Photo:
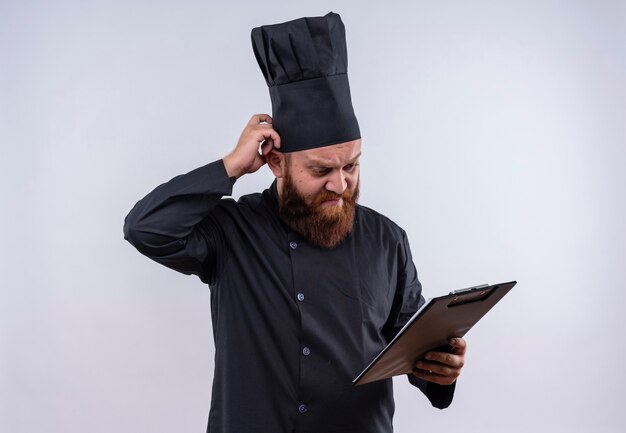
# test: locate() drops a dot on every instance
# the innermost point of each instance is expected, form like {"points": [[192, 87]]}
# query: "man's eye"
{"points": [[350, 167], [320, 171]]}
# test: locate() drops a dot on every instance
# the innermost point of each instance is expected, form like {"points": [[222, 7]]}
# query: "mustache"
{"points": [[330, 195]]}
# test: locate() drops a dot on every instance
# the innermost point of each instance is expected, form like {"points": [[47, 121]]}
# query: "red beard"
{"points": [[322, 226]]}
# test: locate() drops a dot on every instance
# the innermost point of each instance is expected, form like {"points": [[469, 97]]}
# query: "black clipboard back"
{"points": [[431, 327]]}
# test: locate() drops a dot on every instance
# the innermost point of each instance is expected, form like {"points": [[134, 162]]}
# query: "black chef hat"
{"points": [[305, 65]]}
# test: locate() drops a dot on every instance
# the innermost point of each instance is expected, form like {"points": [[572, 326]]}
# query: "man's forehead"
{"points": [[334, 154]]}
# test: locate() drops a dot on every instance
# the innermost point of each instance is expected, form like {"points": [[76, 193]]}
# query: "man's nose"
{"points": [[337, 183]]}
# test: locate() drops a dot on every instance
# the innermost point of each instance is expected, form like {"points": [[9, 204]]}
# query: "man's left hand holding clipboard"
{"points": [[442, 368]]}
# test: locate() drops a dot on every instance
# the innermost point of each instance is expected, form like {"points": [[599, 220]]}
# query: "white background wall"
{"points": [[493, 133]]}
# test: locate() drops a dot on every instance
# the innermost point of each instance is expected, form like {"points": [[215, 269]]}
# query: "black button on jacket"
{"points": [[293, 323]]}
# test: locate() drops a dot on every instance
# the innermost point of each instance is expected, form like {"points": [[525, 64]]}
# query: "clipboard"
{"points": [[431, 328]]}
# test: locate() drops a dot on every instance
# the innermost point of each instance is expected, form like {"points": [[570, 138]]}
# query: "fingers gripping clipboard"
{"points": [[431, 327]]}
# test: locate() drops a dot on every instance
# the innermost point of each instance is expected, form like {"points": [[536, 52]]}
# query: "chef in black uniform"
{"points": [[307, 286]]}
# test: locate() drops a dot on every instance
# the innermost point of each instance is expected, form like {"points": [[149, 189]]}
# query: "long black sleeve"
{"points": [[408, 300], [174, 226]]}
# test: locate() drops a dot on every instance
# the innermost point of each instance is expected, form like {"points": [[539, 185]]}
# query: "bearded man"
{"points": [[307, 286]]}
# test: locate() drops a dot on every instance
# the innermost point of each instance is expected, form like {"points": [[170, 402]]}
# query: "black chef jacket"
{"points": [[293, 323]]}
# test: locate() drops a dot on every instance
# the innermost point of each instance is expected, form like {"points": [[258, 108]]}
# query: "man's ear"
{"points": [[276, 162]]}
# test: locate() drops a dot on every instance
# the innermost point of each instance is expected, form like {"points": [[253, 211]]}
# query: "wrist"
{"points": [[232, 168]]}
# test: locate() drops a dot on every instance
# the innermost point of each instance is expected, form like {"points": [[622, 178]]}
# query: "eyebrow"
{"points": [[319, 163]]}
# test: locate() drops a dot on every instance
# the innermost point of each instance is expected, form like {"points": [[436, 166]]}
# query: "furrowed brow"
{"points": [[355, 158], [320, 163]]}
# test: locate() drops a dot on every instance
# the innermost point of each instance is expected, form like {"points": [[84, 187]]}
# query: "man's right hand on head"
{"points": [[256, 141]]}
